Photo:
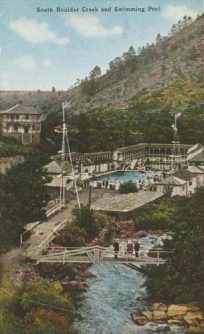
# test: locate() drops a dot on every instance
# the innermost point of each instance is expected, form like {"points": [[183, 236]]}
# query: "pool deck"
{"points": [[111, 201]]}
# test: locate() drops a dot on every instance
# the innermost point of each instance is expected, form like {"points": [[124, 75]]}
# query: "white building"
{"points": [[198, 171], [181, 183], [21, 122]]}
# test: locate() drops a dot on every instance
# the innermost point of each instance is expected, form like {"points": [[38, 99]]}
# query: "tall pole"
{"points": [[89, 197], [73, 174], [65, 140], [176, 158], [62, 188]]}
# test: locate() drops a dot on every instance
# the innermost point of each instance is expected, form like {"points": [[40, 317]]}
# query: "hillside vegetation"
{"points": [[178, 55], [148, 118]]}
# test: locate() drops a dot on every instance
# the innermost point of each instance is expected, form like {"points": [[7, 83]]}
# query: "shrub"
{"points": [[128, 187], [84, 219], [71, 236], [38, 295], [44, 321]]}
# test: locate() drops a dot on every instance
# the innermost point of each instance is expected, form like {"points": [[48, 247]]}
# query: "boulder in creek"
{"points": [[194, 318], [195, 329], [148, 315], [174, 310], [159, 315], [159, 307], [136, 312], [74, 284], [175, 322], [141, 234], [89, 274], [140, 320], [163, 329]]}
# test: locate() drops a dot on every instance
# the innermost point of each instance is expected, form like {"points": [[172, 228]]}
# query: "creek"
{"points": [[111, 297]]}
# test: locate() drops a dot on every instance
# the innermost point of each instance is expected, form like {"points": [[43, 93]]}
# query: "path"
{"points": [[45, 232]]}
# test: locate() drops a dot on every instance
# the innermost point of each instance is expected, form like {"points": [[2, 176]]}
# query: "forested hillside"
{"points": [[177, 55], [148, 118]]}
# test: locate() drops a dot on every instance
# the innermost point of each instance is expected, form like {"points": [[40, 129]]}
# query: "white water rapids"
{"points": [[111, 297]]}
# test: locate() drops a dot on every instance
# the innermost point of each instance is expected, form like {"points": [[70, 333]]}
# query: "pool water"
{"points": [[124, 176]]}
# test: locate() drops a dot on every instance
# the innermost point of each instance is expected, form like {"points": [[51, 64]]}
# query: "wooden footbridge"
{"points": [[95, 254]]}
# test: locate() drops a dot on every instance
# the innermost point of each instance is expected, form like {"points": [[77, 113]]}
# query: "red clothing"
{"points": [[130, 248]]}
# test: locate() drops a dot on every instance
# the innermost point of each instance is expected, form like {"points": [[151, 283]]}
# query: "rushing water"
{"points": [[112, 295]]}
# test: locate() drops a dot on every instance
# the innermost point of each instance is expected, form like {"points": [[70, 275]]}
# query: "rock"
{"points": [[136, 312], [175, 322], [195, 329], [159, 315], [193, 308], [160, 321], [74, 284], [89, 274], [159, 307], [140, 320], [193, 318], [163, 329], [174, 310], [141, 234], [148, 315]]}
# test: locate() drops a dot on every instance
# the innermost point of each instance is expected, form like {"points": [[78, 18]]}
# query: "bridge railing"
{"points": [[95, 254]]}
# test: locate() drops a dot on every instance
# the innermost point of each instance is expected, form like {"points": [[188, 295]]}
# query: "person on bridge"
{"points": [[136, 248], [129, 247], [116, 247]]}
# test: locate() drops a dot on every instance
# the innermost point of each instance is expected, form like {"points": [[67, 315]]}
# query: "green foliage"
{"points": [[43, 321], [10, 324], [71, 236], [85, 227], [180, 280], [128, 187], [13, 150], [23, 197], [40, 295], [148, 118], [85, 220], [156, 215]]}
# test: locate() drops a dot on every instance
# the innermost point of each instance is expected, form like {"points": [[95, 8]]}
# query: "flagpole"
{"points": [[65, 140], [62, 190]]}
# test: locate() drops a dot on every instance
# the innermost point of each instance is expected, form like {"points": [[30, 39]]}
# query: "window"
{"points": [[26, 117], [190, 183]]}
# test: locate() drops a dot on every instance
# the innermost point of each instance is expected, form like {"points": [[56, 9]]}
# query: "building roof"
{"points": [[194, 148], [54, 167], [196, 169], [21, 110], [173, 180], [197, 153], [184, 174], [57, 182]]}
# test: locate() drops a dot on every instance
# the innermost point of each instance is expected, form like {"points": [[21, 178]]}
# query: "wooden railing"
{"points": [[95, 254], [29, 230], [48, 214]]}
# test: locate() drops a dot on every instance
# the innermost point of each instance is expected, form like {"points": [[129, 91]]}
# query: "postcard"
{"points": [[101, 166]]}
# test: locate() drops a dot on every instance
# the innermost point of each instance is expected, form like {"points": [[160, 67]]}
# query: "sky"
{"points": [[41, 47]]}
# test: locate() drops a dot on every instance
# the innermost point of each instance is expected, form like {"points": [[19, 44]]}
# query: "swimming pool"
{"points": [[124, 176]]}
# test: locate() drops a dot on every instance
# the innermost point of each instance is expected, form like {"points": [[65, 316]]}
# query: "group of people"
{"points": [[130, 248]]}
